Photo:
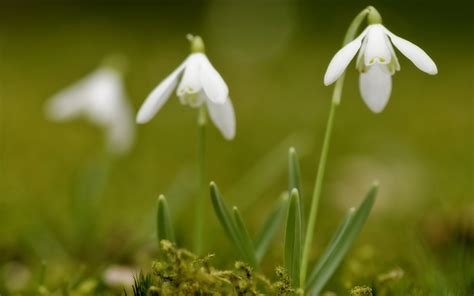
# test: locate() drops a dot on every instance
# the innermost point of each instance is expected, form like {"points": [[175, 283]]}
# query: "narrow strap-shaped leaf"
{"points": [[332, 244], [349, 231], [293, 241], [163, 221], [244, 238], [225, 218], [294, 180], [271, 226], [294, 174]]}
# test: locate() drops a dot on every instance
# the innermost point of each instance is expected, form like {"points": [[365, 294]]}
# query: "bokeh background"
{"points": [[273, 55]]}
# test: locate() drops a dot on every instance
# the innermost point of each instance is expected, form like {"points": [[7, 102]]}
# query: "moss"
{"points": [[184, 273], [361, 291]]}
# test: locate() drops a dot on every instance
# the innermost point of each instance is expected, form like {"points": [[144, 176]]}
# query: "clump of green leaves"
{"points": [[184, 273], [251, 250]]}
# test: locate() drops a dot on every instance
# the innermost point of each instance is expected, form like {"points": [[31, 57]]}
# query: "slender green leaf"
{"points": [[225, 218], [294, 174], [244, 239], [293, 242], [270, 227], [163, 221], [341, 243], [294, 180], [332, 244]]}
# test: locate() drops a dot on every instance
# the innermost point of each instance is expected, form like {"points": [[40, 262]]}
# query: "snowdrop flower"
{"points": [[100, 98], [199, 83], [377, 61], [119, 276]]}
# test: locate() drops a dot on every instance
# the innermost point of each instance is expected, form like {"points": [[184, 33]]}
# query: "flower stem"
{"points": [[336, 99], [201, 180], [317, 194]]}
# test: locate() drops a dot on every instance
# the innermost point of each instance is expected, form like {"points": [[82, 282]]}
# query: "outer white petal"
{"points": [[105, 98], [101, 99], [72, 102], [64, 106], [108, 106], [159, 95], [360, 57], [121, 132], [342, 59], [223, 117], [375, 87], [212, 83], [377, 50], [191, 82], [394, 65], [415, 54]]}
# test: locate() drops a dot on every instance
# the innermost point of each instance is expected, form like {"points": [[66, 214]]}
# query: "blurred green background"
{"points": [[273, 55]]}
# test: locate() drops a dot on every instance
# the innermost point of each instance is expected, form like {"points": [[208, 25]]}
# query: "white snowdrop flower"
{"points": [[377, 61], [197, 82], [100, 98], [119, 276]]}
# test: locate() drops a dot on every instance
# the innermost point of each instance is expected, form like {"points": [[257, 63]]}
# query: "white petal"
{"points": [[342, 58], [212, 83], [414, 54], [100, 98], [65, 106], [223, 117], [360, 65], [191, 82], [394, 65], [377, 50], [73, 100], [121, 132], [106, 97], [375, 87], [159, 95]]}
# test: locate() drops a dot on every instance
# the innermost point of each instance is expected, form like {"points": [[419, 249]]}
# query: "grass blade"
{"points": [[332, 245], [225, 218], [270, 227], [293, 241], [244, 239], [163, 221], [294, 180], [294, 174], [341, 243]]}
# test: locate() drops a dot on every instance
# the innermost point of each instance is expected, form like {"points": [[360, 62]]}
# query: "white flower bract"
{"points": [[99, 97], [377, 62], [200, 84]]}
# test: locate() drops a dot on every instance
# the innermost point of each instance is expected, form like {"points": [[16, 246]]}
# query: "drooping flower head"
{"points": [[100, 98], [377, 61], [199, 83]]}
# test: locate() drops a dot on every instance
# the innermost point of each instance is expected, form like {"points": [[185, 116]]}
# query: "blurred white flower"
{"points": [[100, 98], [119, 276], [377, 62], [200, 84]]}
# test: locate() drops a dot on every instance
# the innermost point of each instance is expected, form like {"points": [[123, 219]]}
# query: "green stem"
{"points": [[316, 194], [336, 99], [201, 181]]}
